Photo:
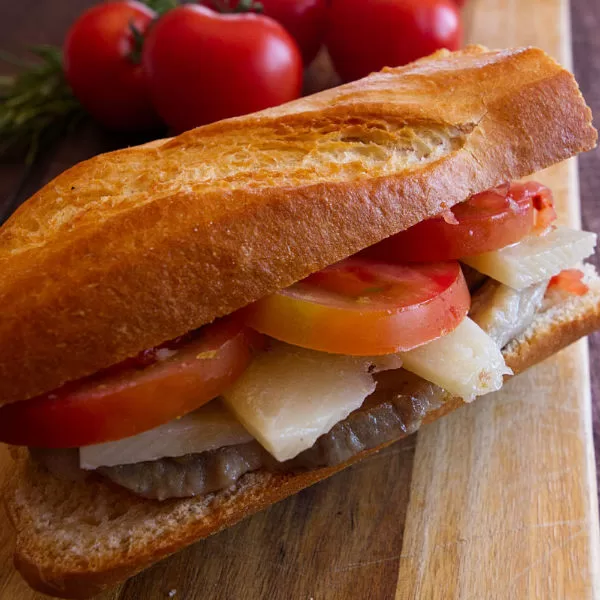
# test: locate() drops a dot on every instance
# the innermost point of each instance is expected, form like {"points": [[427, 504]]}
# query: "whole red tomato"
{"points": [[363, 37], [306, 20], [204, 66], [101, 68]]}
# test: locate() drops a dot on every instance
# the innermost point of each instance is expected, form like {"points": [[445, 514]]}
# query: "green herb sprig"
{"points": [[37, 105]]}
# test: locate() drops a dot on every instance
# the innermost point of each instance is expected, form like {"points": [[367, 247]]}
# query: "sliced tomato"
{"points": [[543, 203], [155, 387], [487, 221], [569, 281], [366, 307]]}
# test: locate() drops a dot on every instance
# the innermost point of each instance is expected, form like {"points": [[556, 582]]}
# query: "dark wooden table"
{"points": [[30, 22]]}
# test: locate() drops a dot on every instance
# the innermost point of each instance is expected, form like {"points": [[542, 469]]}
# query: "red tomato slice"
{"points": [[366, 307], [569, 281], [487, 221], [543, 203], [155, 387]]}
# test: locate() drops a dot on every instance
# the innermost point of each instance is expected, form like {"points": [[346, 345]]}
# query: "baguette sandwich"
{"points": [[199, 327]]}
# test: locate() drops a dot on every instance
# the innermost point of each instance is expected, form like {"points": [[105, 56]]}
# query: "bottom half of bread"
{"points": [[76, 538]]}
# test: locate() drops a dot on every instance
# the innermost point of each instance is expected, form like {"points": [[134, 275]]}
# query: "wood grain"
{"points": [[509, 514], [503, 494], [496, 501]]}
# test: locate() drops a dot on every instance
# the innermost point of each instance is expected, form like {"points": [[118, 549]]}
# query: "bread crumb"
{"points": [[172, 593]]}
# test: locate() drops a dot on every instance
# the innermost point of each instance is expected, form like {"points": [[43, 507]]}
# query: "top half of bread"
{"points": [[132, 248]]}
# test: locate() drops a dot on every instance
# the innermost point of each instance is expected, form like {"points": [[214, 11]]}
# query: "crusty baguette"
{"points": [[132, 248], [74, 539]]}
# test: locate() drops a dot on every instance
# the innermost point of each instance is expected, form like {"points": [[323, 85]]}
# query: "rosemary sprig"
{"points": [[36, 105]]}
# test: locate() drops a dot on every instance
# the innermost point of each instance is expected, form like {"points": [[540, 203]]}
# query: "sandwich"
{"points": [[196, 328]]}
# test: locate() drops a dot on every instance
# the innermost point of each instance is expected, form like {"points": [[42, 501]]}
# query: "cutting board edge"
{"points": [[594, 516]]}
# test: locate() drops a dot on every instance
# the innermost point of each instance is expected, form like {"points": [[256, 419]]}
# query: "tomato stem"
{"points": [[135, 56], [248, 6], [241, 6], [161, 6]]}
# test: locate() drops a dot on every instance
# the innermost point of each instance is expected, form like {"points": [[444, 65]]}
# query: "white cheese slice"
{"points": [[467, 362], [207, 428], [535, 258], [290, 396]]}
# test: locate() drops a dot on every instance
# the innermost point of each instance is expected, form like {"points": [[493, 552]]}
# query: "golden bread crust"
{"points": [[135, 247], [75, 539]]}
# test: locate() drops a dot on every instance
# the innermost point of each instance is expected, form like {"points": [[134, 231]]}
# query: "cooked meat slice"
{"points": [[397, 408], [504, 313], [188, 475]]}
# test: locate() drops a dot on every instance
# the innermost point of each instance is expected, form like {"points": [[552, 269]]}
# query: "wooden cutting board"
{"points": [[496, 501]]}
